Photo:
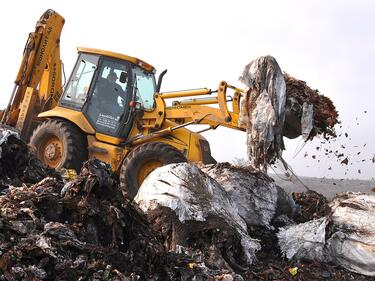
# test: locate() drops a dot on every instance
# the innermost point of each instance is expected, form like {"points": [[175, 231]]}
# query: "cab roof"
{"points": [[139, 62]]}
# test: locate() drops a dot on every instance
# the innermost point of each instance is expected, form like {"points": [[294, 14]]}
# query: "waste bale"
{"points": [[263, 111], [258, 199], [345, 236], [17, 165], [276, 105], [194, 211]]}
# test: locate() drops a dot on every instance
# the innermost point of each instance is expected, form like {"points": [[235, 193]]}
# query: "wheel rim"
{"points": [[146, 169], [51, 151]]}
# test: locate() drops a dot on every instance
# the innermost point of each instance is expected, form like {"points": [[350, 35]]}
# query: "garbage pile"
{"points": [[17, 164], [216, 222], [189, 203], [83, 229], [311, 205]]}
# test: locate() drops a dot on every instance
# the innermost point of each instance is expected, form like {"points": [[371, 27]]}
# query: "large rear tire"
{"points": [[60, 144], [142, 160]]}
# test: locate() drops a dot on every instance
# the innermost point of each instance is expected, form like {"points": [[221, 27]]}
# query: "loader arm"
{"points": [[38, 85], [191, 111]]}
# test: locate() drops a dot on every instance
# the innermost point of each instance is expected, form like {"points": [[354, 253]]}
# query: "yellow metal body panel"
{"points": [[73, 116], [108, 139], [108, 153], [134, 60]]}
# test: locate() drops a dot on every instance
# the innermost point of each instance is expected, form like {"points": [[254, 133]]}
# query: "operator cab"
{"points": [[104, 85]]}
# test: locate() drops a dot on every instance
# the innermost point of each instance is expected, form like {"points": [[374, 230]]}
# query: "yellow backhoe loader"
{"points": [[111, 108]]}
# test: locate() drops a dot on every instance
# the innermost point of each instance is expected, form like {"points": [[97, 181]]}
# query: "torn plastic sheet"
{"points": [[305, 240], [307, 121], [263, 111], [5, 133], [346, 236], [194, 197]]}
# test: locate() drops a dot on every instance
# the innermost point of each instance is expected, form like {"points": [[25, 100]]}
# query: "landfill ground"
{"points": [[84, 230], [326, 186]]}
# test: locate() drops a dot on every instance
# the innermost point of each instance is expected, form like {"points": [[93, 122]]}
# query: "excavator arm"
{"points": [[38, 84]]}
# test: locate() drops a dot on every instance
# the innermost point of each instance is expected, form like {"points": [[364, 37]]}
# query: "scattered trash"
{"points": [[311, 204], [293, 270]]}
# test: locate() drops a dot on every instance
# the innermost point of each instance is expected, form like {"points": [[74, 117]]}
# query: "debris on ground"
{"points": [[344, 237], [311, 204], [84, 229]]}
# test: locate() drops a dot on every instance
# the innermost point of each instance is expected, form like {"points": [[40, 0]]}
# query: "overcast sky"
{"points": [[329, 44]]}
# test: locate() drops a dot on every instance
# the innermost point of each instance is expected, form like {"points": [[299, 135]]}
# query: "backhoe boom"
{"points": [[38, 84]]}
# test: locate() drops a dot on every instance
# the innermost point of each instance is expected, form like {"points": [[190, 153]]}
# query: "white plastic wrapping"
{"points": [[307, 120]]}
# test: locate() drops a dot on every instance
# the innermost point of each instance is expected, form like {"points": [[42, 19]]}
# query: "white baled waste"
{"points": [[346, 236], [194, 196]]}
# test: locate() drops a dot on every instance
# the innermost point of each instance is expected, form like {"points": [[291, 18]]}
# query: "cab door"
{"points": [[107, 108]]}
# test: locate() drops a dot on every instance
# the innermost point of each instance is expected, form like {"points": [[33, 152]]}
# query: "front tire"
{"points": [[60, 144], [142, 160]]}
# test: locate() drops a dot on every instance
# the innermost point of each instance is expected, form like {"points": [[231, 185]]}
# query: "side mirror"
{"points": [[123, 77]]}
